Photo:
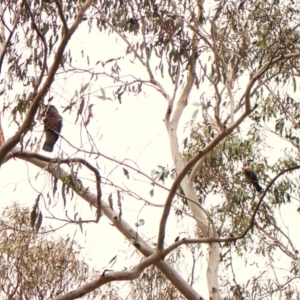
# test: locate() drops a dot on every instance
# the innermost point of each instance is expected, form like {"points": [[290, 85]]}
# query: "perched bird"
{"points": [[252, 177], [53, 124]]}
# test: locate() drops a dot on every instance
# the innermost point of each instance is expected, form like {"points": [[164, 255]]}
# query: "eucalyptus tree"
{"points": [[235, 61], [39, 266]]}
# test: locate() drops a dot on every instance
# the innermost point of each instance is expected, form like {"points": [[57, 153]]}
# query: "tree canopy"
{"points": [[226, 75], [37, 267]]}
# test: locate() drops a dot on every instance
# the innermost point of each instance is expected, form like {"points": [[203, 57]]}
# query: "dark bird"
{"points": [[132, 21], [53, 124], [252, 177]]}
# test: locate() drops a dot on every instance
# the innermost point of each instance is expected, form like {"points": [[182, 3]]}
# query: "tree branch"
{"points": [[14, 140], [61, 14], [108, 276], [130, 233], [11, 33], [26, 155]]}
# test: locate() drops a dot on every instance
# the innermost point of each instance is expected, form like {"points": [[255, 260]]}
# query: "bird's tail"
{"points": [[257, 186], [48, 147]]}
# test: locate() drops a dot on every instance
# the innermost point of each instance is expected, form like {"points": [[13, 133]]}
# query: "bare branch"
{"points": [[107, 277], [61, 14], [129, 232]]}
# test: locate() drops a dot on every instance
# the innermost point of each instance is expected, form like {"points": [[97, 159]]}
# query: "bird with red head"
{"points": [[252, 177]]}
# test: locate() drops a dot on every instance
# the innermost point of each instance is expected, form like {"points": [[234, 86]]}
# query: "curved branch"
{"points": [[122, 163], [11, 33], [108, 276], [248, 93], [232, 238], [136, 271], [26, 155], [130, 233], [186, 169]]}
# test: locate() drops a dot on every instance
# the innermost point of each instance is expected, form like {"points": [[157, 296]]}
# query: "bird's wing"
{"points": [[59, 124]]}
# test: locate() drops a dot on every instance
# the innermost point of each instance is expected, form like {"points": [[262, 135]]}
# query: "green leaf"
{"points": [[126, 173], [152, 192], [33, 215], [83, 88], [80, 224], [39, 222]]}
